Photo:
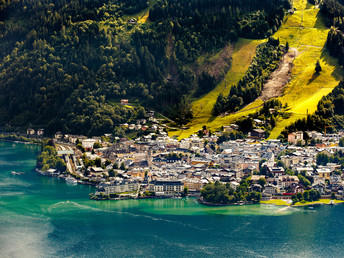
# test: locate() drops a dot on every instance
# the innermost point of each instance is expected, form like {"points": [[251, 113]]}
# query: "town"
{"points": [[154, 165]]}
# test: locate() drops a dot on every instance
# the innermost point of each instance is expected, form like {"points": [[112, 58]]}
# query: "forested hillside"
{"points": [[62, 62]]}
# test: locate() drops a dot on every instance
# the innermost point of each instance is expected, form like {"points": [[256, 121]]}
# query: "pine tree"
{"points": [[318, 68]]}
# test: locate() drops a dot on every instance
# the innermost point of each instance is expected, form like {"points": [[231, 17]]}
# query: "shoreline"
{"points": [[38, 142]]}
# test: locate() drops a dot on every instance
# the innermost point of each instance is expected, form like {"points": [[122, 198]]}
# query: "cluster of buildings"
{"points": [[32, 132], [159, 165]]}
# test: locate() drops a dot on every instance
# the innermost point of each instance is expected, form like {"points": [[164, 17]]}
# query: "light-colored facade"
{"points": [[167, 187], [120, 187]]}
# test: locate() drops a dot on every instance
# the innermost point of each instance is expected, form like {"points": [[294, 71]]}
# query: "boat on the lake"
{"points": [[17, 173], [71, 180]]}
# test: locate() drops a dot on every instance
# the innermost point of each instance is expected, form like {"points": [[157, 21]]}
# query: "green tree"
{"points": [[262, 182], [299, 196], [107, 162], [97, 145], [122, 166], [333, 196], [341, 142], [306, 195], [186, 191], [322, 159], [318, 68], [304, 181], [112, 173], [98, 162]]}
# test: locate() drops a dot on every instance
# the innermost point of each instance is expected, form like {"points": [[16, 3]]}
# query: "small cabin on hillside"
{"points": [[124, 101], [30, 131], [132, 21], [40, 132], [258, 134]]}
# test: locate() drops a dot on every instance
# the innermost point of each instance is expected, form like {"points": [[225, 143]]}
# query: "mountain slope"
{"points": [[65, 64], [305, 31]]}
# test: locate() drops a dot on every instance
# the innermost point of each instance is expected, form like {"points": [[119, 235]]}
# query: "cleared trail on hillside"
{"points": [[279, 78], [244, 52]]}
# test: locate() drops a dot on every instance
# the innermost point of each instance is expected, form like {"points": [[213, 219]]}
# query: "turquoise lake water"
{"points": [[45, 217]]}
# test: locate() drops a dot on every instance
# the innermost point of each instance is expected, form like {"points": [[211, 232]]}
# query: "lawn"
{"points": [[276, 202]]}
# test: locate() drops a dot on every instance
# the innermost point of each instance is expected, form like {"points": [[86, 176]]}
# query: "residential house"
{"points": [[58, 135], [286, 181], [40, 132], [319, 186], [88, 144], [256, 188], [258, 134], [270, 189], [296, 188], [295, 137], [255, 178], [193, 185], [30, 131], [276, 171], [124, 101], [324, 173]]}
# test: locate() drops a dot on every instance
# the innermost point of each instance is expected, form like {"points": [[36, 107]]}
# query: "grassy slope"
{"points": [[244, 51], [304, 30]]}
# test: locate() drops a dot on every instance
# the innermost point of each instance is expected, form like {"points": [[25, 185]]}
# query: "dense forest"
{"points": [[330, 111], [63, 63], [268, 56]]}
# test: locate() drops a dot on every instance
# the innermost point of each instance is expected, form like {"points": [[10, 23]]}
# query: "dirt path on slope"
{"points": [[274, 86]]}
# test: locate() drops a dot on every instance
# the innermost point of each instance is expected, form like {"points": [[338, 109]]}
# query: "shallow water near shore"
{"points": [[44, 217]]}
